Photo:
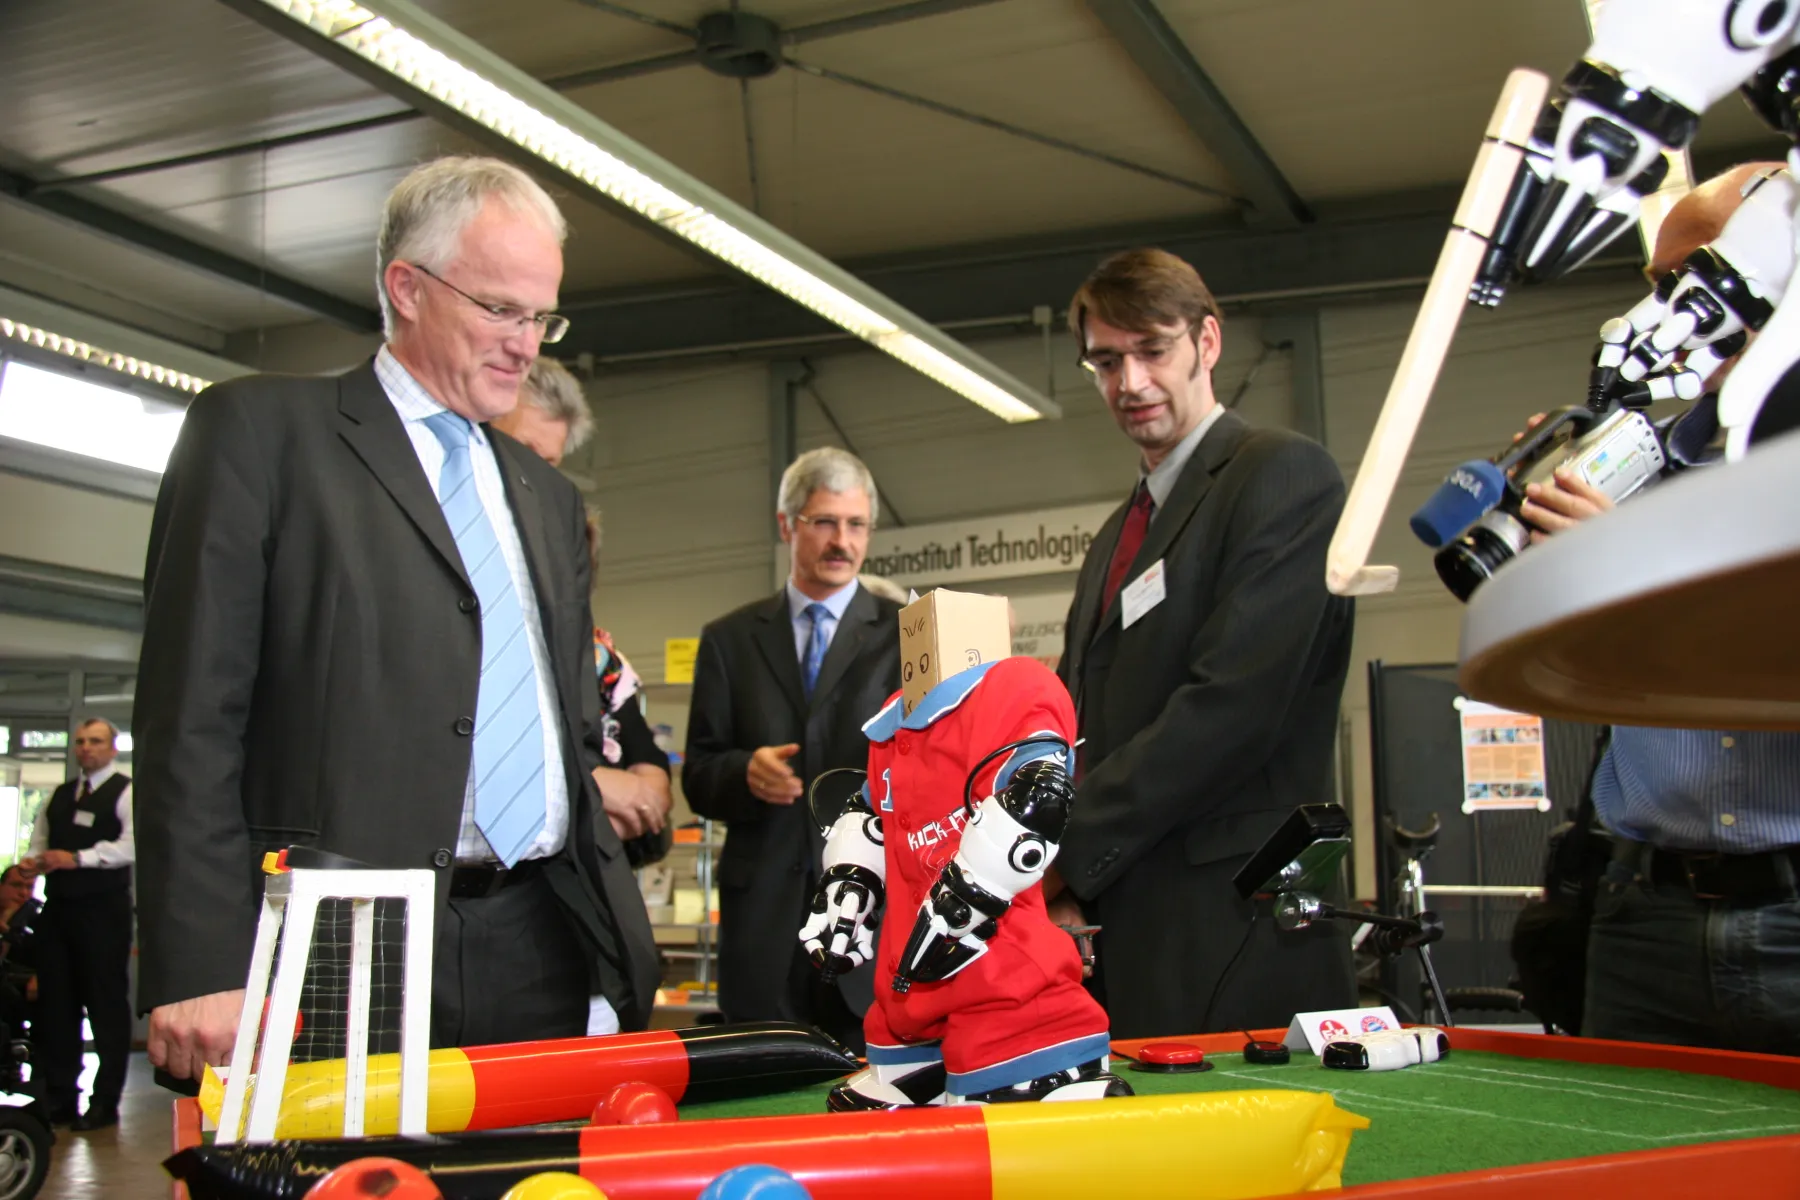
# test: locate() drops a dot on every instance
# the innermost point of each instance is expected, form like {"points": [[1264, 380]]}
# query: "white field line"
{"points": [[1377, 1101], [1620, 1087], [1571, 1089]]}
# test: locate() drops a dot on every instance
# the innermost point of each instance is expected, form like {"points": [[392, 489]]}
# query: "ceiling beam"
{"points": [[1164, 59], [1373, 246], [58, 593], [129, 231]]}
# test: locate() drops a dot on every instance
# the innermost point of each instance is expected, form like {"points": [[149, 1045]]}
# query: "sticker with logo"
{"points": [[1373, 1024], [1329, 1029]]}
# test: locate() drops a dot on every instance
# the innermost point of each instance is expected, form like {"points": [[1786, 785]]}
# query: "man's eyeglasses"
{"points": [[1151, 352], [550, 326], [856, 527]]}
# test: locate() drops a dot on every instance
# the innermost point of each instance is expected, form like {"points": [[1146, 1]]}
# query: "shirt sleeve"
{"points": [[122, 850]]}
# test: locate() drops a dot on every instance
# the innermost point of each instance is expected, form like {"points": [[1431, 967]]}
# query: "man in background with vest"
{"points": [[83, 848]]}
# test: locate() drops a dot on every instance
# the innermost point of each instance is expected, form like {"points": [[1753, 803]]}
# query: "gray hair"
{"points": [[553, 390], [112, 731], [426, 214], [829, 468]]}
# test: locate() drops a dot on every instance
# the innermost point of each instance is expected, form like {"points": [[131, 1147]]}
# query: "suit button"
{"points": [[441, 858], [464, 726], [467, 604]]}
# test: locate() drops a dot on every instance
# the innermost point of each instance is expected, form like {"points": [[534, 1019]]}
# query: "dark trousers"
{"points": [[1666, 967], [508, 968], [83, 952]]}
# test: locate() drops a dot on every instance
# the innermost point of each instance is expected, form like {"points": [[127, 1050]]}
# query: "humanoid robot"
{"points": [[1654, 67], [978, 996]]}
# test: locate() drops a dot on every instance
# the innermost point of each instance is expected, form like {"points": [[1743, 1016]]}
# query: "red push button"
{"points": [[1171, 1054], [1170, 1058]]}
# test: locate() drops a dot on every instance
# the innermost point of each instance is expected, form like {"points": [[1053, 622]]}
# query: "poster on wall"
{"points": [[1502, 757], [678, 659]]}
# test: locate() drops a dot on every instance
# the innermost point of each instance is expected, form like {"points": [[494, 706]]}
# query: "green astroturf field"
{"points": [[1473, 1110]]}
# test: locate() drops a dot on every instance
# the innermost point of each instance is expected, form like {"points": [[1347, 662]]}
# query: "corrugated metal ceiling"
{"points": [[1349, 99]]}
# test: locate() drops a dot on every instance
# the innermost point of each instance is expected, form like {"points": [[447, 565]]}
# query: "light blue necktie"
{"points": [[510, 800], [815, 646]]}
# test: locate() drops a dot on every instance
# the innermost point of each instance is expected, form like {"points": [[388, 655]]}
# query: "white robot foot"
{"points": [[866, 1091], [1090, 1081]]}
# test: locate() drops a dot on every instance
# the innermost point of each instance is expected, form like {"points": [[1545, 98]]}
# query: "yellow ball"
{"points": [[553, 1185]]}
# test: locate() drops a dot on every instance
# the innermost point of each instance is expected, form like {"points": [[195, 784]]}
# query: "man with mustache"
{"points": [[782, 687], [1206, 660]]}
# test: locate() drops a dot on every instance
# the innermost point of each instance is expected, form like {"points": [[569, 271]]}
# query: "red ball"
{"points": [[375, 1179], [634, 1104]]}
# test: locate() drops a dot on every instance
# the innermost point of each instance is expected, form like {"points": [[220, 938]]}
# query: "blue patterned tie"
{"points": [[510, 798], [815, 646]]}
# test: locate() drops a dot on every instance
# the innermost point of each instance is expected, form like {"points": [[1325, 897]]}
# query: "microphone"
{"points": [[1467, 494]]}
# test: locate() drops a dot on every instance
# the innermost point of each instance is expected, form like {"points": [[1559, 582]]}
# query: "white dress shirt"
{"points": [[120, 852], [1161, 481], [415, 404], [835, 604]]}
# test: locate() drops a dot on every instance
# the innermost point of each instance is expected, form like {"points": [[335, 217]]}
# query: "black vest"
{"points": [[65, 834]]}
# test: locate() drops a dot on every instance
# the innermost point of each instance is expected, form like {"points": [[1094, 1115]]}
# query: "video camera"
{"points": [[1473, 520]]}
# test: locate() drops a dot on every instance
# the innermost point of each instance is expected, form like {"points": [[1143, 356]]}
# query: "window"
{"points": [[78, 416]]}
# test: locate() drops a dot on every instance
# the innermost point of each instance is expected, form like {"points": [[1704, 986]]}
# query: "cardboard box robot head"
{"points": [[944, 632]]}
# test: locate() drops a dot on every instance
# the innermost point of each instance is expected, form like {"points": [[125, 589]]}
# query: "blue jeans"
{"points": [[1666, 967]]}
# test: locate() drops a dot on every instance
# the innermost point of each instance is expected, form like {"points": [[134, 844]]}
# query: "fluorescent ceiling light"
{"points": [[457, 73], [77, 416], [82, 351]]}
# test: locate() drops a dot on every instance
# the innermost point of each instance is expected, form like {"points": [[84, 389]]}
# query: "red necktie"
{"points": [[1131, 540], [81, 793]]}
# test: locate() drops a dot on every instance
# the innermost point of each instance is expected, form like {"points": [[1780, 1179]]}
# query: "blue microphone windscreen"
{"points": [[1465, 497]]}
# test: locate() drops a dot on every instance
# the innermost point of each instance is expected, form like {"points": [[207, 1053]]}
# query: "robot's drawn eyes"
{"points": [[872, 829], [1027, 855], [1752, 24]]}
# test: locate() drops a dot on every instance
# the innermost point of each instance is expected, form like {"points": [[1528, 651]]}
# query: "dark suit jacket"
{"points": [[747, 693], [311, 649], [1208, 720]]}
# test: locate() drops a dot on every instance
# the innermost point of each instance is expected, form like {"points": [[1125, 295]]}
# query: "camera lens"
{"points": [[1472, 559]]}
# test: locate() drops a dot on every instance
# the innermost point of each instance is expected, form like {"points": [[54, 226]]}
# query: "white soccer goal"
{"points": [[336, 995]]}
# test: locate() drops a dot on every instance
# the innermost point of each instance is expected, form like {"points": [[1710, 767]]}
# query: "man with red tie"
{"points": [[1206, 660]]}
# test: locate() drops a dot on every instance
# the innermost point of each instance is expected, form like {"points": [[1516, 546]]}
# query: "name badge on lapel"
{"points": [[1142, 594], [84, 818]]}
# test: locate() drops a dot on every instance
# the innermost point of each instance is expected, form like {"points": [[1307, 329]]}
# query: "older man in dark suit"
{"points": [[367, 631], [1206, 660], [783, 683]]}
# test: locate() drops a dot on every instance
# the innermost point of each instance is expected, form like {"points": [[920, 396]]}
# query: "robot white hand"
{"points": [[839, 933], [1654, 67], [1722, 290]]}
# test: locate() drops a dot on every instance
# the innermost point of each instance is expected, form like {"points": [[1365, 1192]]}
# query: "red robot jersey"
{"points": [[1019, 1011]]}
